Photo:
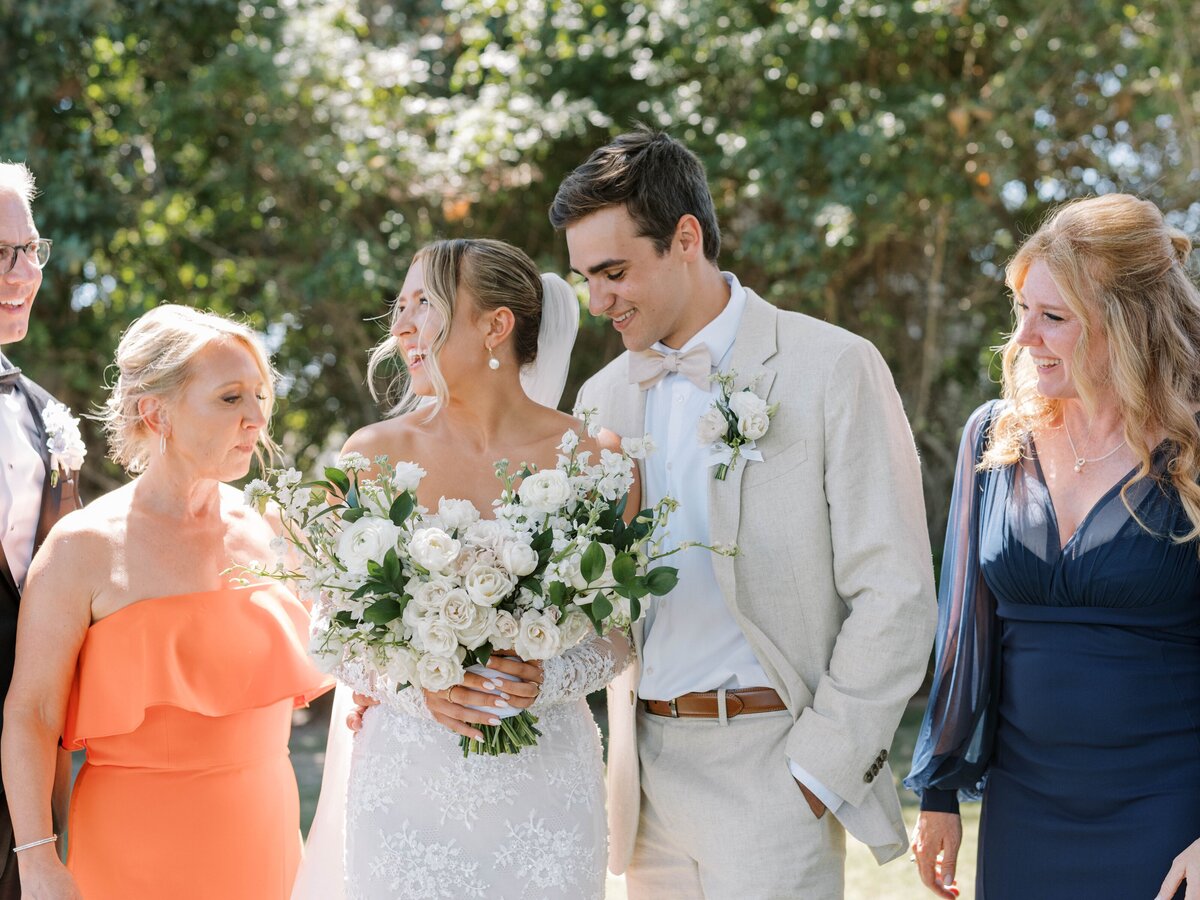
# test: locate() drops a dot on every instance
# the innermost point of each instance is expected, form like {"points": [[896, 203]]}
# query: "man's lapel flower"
{"points": [[736, 419], [64, 441]]}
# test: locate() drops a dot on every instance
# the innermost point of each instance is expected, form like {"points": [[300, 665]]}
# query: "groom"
{"points": [[770, 685], [31, 500]]}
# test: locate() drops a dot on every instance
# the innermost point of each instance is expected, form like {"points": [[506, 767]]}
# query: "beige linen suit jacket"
{"points": [[833, 586]]}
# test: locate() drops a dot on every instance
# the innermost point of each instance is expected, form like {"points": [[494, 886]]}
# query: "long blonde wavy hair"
{"points": [[1121, 271]]}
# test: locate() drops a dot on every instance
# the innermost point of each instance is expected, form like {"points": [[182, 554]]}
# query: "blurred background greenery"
{"points": [[874, 163]]}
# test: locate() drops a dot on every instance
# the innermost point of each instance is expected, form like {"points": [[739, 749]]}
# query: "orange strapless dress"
{"points": [[184, 706]]}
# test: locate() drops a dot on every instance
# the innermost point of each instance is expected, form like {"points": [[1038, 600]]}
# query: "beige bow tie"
{"points": [[648, 367]]}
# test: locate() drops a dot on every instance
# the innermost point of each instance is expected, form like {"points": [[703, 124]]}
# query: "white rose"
{"points": [[747, 403], [457, 609], [753, 426], [480, 629], [484, 533], [407, 476], [519, 558], [437, 673], [433, 549], [436, 637], [488, 585], [504, 630], [575, 626], [417, 616], [545, 492], [711, 427], [572, 574], [538, 637], [367, 539], [429, 595], [457, 514]]}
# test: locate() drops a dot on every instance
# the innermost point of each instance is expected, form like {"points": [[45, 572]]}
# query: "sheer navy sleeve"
{"points": [[955, 740]]}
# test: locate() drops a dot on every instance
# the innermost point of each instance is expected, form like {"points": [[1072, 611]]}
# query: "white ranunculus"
{"points": [[436, 637], [546, 491], [368, 539], [488, 585], [575, 626], [711, 427], [457, 515], [538, 636], [437, 673], [480, 629], [504, 630], [433, 549], [519, 558], [457, 609], [416, 616], [407, 476]]}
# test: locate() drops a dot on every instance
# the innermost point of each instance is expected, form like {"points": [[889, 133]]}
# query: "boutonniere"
{"points": [[65, 443], [736, 419]]}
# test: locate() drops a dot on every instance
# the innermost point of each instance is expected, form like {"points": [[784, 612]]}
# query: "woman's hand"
{"points": [[451, 708], [44, 877], [362, 704], [1185, 866], [935, 846]]}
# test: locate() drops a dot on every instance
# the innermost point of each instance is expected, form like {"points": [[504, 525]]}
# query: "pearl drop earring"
{"points": [[493, 363]]}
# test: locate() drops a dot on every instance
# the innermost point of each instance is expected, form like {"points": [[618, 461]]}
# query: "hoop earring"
{"points": [[493, 363], [162, 444]]}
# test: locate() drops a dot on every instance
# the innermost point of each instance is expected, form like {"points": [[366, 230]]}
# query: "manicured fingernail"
{"points": [[506, 696], [491, 685], [493, 721], [499, 703]]}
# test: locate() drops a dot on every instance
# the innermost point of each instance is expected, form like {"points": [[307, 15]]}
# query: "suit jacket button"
{"points": [[883, 755], [869, 777]]}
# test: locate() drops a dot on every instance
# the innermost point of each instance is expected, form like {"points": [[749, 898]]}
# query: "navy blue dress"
{"points": [[1086, 736]]}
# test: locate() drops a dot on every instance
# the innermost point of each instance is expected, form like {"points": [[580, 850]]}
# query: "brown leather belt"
{"points": [[704, 705]]}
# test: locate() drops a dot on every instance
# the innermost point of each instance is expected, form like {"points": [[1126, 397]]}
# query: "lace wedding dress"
{"points": [[423, 822]]}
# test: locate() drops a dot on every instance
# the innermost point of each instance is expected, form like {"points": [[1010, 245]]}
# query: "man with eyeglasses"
{"points": [[33, 496]]}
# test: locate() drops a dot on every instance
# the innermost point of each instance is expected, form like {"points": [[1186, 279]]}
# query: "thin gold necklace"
{"points": [[1080, 462]]}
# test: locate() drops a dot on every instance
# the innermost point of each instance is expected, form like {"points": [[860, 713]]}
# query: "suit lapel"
{"points": [[754, 345], [50, 494]]}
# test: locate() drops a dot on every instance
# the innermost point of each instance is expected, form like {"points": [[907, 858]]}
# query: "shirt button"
{"points": [[678, 399]]}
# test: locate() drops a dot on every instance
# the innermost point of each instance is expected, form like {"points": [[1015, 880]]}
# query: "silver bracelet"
{"points": [[49, 840]]}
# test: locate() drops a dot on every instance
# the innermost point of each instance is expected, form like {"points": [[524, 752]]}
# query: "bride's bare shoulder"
{"points": [[391, 438]]}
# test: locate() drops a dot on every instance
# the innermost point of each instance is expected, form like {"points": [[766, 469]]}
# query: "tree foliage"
{"points": [[874, 163]]}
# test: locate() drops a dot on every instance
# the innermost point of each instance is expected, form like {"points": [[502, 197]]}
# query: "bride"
{"points": [[420, 820]]}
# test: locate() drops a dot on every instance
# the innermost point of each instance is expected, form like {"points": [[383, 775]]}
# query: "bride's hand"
{"points": [[1185, 866], [452, 708], [361, 704]]}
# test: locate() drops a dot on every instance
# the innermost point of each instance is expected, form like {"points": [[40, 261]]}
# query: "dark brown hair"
{"points": [[656, 178]]}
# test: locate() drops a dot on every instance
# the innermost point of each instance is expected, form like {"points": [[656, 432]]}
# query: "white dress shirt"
{"points": [[691, 642], [22, 476]]}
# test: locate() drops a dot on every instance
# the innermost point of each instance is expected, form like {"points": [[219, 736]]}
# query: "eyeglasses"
{"points": [[38, 251]]}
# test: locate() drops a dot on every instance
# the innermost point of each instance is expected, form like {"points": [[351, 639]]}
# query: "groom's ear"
{"points": [[689, 236]]}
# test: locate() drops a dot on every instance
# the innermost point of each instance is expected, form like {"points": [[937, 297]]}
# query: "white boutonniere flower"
{"points": [[64, 440], [735, 421]]}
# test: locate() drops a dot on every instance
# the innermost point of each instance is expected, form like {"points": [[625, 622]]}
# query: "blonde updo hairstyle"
{"points": [[497, 275], [154, 359], [1121, 270]]}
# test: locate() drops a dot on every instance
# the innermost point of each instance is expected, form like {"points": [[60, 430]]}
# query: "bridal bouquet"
{"points": [[415, 595]]}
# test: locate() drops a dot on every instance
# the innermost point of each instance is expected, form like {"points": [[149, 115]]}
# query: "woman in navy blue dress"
{"points": [[1067, 679]]}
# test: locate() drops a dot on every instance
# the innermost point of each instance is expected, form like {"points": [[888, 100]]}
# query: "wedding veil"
{"points": [[322, 875]]}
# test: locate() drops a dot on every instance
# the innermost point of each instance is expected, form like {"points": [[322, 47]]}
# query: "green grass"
{"points": [[865, 880]]}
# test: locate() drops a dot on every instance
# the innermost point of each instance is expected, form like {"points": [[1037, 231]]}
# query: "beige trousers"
{"points": [[723, 819]]}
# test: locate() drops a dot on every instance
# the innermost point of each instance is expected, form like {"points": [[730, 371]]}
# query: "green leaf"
{"points": [[624, 568], [338, 478], [353, 514], [558, 592], [542, 541], [601, 607], [391, 566], [635, 609], [591, 566], [483, 653], [383, 611], [402, 508], [662, 580]]}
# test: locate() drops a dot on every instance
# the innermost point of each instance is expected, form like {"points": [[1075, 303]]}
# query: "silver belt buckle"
{"points": [[674, 709]]}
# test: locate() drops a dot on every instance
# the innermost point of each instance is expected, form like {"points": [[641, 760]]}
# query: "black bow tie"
{"points": [[8, 379]]}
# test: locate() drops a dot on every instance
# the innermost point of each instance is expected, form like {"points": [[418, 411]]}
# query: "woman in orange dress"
{"points": [[136, 646]]}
